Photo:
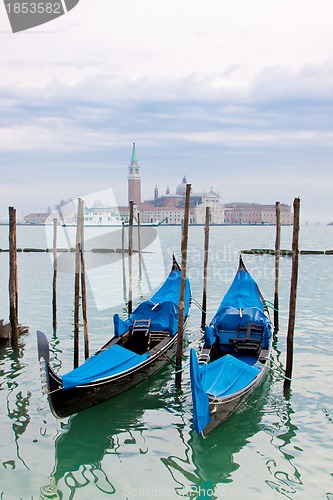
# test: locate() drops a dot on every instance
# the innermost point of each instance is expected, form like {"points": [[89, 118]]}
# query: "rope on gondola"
{"points": [[198, 305], [271, 305], [174, 364], [182, 369]]}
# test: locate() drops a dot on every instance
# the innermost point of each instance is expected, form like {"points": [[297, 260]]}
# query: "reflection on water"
{"points": [[17, 400], [211, 461], [111, 429], [284, 473]]}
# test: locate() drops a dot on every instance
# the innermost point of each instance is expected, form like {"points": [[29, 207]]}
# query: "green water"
{"points": [[142, 444]]}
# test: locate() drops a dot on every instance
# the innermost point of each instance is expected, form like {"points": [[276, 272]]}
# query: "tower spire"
{"points": [[134, 158], [134, 178]]}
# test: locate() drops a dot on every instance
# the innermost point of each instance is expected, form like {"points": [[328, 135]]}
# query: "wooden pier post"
{"points": [[184, 241], [292, 301], [77, 288], [123, 258], [277, 265], [55, 274], [13, 293], [139, 246], [130, 257], [204, 293], [83, 283]]}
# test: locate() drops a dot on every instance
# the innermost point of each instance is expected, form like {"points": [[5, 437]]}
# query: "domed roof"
{"points": [[181, 188]]}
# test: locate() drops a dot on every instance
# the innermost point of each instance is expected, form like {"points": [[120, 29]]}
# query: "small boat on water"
{"points": [[235, 356], [141, 345]]}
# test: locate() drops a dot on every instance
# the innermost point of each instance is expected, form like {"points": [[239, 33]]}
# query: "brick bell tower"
{"points": [[134, 179]]}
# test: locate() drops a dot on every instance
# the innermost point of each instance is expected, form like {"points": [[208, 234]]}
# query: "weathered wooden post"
{"points": [[204, 293], [123, 258], [13, 294], [139, 246], [184, 241], [55, 274], [277, 265], [77, 288], [130, 255], [292, 301], [83, 283]]}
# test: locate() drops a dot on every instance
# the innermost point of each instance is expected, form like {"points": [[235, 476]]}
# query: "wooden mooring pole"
{"points": [[77, 288], [55, 274], [13, 293], [277, 265], [139, 246], [184, 241], [204, 293], [83, 283], [292, 301], [123, 258], [130, 257]]}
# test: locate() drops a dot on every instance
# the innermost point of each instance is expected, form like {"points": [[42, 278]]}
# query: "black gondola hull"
{"points": [[64, 403]]}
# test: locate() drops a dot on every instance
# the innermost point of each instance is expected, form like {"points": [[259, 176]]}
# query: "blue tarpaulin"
{"points": [[241, 305], [223, 377], [164, 317], [161, 309], [114, 360], [201, 415], [227, 375]]}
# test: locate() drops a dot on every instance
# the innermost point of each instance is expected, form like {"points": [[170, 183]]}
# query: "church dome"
{"points": [[181, 188]]}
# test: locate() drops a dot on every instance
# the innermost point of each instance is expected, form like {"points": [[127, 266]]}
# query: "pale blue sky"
{"points": [[235, 95]]}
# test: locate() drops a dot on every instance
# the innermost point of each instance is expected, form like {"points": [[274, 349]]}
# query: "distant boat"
{"points": [[141, 345], [235, 356]]}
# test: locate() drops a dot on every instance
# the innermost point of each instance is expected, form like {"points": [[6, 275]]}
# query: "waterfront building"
{"points": [[36, 218], [255, 213]]}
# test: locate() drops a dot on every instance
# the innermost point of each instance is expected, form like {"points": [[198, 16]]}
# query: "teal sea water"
{"points": [[142, 443]]}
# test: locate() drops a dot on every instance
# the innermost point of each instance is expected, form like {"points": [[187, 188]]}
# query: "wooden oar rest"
{"points": [[249, 339]]}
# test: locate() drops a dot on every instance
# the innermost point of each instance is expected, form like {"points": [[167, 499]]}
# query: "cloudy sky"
{"points": [[237, 95]]}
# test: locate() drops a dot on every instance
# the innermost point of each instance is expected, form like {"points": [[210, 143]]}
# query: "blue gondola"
{"points": [[235, 357], [141, 345]]}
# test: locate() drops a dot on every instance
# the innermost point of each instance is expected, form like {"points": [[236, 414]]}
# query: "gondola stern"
{"points": [[241, 265], [175, 265]]}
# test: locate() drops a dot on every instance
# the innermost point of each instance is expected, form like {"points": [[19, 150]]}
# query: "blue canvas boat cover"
{"points": [[223, 377], [243, 295], [227, 375], [114, 360], [201, 414], [161, 309]]}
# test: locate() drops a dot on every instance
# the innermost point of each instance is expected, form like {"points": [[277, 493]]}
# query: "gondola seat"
{"points": [[140, 336], [249, 339]]}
